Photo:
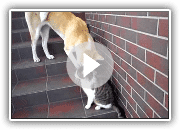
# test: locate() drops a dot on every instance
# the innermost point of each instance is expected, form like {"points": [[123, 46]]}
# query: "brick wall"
{"points": [[138, 42]]}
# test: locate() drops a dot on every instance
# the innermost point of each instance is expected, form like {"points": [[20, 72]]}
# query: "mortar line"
{"points": [[142, 88], [141, 98], [160, 37], [148, 17], [157, 27], [136, 80], [138, 59], [165, 57]]}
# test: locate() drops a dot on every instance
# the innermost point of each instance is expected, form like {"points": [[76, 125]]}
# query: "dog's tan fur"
{"points": [[73, 30]]}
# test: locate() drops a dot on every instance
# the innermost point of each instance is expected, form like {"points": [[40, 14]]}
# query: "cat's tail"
{"points": [[115, 108]]}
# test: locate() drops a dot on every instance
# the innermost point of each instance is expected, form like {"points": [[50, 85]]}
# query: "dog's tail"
{"points": [[38, 29]]}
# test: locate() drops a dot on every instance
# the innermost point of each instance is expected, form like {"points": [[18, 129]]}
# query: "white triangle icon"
{"points": [[89, 65]]}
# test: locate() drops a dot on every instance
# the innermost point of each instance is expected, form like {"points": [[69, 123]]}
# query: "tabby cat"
{"points": [[102, 96]]}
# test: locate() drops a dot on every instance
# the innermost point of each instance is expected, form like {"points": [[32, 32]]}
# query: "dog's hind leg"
{"points": [[33, 21], [45, 36]]}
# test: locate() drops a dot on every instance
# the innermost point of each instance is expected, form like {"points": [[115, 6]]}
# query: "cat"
{"points": [[102, 96]]}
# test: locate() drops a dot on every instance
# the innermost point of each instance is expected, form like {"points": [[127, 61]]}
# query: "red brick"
{"points": [[143, 68], [155, 115], [103, 41], [110, 19], [163, 28], [128, 69], [125, 86], [152, 43], [142, 104], [132, 112], [123, 21], [145, 25], [157, 62], [120, 71], [116, 83], [102, 18], [135, 50], [100, 32], [128, 35], [160, 110], [137, 13], [94, 30], [115, 75], [108, 36], [117, 60], [135, 86], [105, 27], [98, 24], [141, 113], [112, 47], [107, 12], [160, 13], [127, 114], [129, 99], [134, 23], [122, 98], [114, 30], [96, 17], [91, 16], [124, 55], [119, 42], [151, 88], [162, 81], [93, 23], [87, 16], [118, 13]]}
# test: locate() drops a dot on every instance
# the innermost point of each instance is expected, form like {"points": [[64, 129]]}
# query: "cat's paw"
{"points": [[87, 106], [50, 57], [97, 108]]}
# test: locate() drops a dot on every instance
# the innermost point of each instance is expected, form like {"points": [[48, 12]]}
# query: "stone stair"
{"points": [[44, 89]]}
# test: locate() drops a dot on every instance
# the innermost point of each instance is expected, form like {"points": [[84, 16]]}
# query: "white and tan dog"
{"points": [[70, 28]]}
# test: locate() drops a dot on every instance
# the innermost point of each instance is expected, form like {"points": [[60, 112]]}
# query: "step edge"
{"points": [[20, 30], [32, 92], [42, 63], [28, 43], [69, 86]]}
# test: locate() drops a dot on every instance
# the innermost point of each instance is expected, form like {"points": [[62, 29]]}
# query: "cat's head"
{"points": [[88, 81]]}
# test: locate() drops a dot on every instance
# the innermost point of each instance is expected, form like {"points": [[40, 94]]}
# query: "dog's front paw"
{"points": [[36, 59], [87, 106], [50, 57]]}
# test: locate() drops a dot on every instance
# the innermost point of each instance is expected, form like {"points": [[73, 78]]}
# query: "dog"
{"points": [[73, 30]]}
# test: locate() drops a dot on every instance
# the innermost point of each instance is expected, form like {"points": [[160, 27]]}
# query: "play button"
{"points": [[96, 65], [89, 65]]}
